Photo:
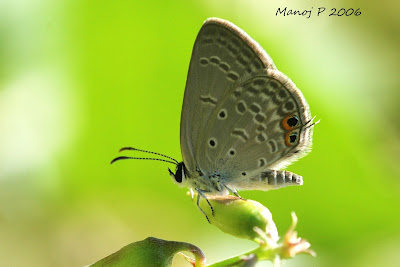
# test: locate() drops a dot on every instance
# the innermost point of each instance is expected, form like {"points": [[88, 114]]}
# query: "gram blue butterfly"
{"points": [[242, 119]]}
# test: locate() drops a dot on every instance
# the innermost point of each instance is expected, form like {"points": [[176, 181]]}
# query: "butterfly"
{"points": [[242, 119]]}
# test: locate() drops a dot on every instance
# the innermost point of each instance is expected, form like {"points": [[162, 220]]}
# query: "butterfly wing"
{"points": [[269, 130], [235, 105], [222, 55]]}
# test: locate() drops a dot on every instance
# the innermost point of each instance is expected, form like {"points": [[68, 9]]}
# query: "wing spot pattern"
{"points": [[224, 66], [241, 107], [261, 127], [230, 75], [208, 100], [259, 118], [261, 138], [289, 106], [233, 50], [259, 82], [209, 33], [212, 142], [246, 53], [286, 108], [255, 108], [237, 92], [215, 60], [257, 64], [282, 94], [278, 99], [261, 162], [252, 91], [248, 70], [223, 114], [241, 133], [273, 146], [233, 76], [203, 61], [267, 91], [221, 41], [273, 84], [241, 60]]}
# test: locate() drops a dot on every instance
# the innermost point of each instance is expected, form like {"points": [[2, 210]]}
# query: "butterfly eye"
{"points": [[291, 138], [290, 122], [179, 176]]}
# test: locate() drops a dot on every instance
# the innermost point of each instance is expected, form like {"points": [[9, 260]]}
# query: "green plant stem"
{"points": [[261, 253]]}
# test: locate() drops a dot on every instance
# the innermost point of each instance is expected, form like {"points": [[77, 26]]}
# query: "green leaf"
{"points": [[151, 252]]}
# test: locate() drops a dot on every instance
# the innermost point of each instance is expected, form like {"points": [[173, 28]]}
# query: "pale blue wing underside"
{"points": [[235, 101]]}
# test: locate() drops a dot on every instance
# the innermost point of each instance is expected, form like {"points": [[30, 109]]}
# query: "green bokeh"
{"points": [[81, 79]]}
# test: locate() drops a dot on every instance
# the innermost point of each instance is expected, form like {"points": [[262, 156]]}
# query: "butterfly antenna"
{"points": [[311, 122], [146, 151], [123, 157]]}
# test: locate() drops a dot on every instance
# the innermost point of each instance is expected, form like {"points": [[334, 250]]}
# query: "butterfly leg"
{"points": [[233, 191], [202, 211], [201, 194]]}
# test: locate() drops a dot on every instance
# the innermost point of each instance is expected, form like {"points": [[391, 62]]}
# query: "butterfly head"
{"points": [[179, 177]]}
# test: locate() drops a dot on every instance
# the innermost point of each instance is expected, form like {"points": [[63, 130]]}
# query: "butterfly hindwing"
{"points": [[257, 139]]}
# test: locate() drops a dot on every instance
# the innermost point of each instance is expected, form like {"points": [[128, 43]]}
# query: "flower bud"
{"points": [[239, 217]]}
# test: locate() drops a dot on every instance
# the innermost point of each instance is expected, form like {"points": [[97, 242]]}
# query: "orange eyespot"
{"points": [[290, 122], [291, 138]]}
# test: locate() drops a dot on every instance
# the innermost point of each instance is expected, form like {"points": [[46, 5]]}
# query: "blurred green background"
{"points": [[81, 79]]}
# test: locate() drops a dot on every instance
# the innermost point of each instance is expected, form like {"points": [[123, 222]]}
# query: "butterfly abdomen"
{"points": [[281, 178], [270, 179]]}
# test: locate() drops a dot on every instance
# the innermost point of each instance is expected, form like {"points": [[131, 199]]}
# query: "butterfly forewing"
{"points": [[221, 56], [234, 106]]}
